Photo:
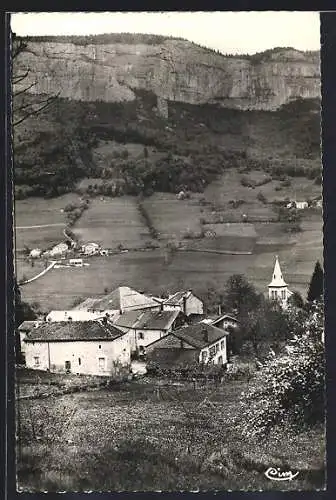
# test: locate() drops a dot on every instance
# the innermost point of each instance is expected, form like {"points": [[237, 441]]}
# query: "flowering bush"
{"points": [[289, 389]]}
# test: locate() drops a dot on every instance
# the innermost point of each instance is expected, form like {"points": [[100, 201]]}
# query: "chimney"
{"points": [[185, 305], [104, 320], [219, 310], [205, 335]]}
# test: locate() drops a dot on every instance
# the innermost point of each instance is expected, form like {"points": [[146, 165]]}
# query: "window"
{"points": [[36, 361], [222, 345], [283, 294], [101, 364], [212, 350], [99, 346], [217, 347], [204, 356], [79, 361], [141, 335]]}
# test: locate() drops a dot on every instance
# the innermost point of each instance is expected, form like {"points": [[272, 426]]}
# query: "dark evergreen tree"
{"points": [[22, 312], [296, 300], [315, 290]]}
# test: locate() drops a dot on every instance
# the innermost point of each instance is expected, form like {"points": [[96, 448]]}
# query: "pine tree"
{"points": [[315, 290]]}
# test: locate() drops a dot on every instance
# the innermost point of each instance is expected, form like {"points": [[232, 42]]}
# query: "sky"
{"points": [[228, 32]]}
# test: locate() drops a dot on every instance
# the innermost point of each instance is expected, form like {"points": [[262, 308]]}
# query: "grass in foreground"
{"points": [[139, 437]]}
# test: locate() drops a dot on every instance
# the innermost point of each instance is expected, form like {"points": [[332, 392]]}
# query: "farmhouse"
{"points": [[90, 248], [278, 288], [200, 343], [90, 348], [299, 205], [144, 327], [60, 249], [35, 253], [121, 300], [223, 321], [76, 262], [184, 301], [23, 330]]}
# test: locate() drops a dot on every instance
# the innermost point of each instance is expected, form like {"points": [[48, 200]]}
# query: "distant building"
{"points": [[185, 302], [88, 348], [278, 288], [58, 250], [144, 327], [299, 205], [76, 262], [90, 248], [200, 343], [35, 253]]}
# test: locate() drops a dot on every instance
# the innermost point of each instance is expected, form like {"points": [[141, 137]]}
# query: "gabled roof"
{"points": [[223, 316], [147, 320], [73, 331], [177, 298], [28, 325], [86, 304], [277, 278], [195, 334], [123, 298]]}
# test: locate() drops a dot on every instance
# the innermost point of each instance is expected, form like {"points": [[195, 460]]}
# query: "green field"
{"points": [[117, 221], [172, 217], [33, 212], [111, 222], [137, 437]]}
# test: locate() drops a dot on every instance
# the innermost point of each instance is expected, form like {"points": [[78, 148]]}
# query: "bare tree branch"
{"points": [[49, 102], [18, 78]]}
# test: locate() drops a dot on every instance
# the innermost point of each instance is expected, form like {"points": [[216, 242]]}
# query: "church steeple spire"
{"points": [[278, 289], [277, 278]]}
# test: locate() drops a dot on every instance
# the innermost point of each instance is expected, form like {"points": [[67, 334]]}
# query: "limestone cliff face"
{"points": [[175, 70]]}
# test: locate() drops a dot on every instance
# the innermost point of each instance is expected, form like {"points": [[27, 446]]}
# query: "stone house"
{"points": [[200, 343], [184, 301], [88, 348], [144, 327]]}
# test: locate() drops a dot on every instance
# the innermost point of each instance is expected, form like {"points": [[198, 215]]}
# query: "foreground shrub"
{"points": [[289, 389]]}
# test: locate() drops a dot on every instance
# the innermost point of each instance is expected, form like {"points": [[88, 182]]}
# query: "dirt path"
{"points": [[40, 274]]}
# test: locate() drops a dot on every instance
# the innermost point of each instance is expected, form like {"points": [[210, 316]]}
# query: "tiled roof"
{"points": [[177, 298], [123, 298], [73, 330], [86, 304], [28, 325], [147, 320], [200, 335]]}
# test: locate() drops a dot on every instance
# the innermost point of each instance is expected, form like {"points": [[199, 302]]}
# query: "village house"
{"points": [[35, 253], [299, 205], [223, 321], [200, 343], [90, 248], [144, 327], [184, 301], [23, 330], [88, 348], [278, 288], [58, 250]]}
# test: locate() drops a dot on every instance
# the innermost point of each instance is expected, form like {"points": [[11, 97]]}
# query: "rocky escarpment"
{"points": [[174, 70]]}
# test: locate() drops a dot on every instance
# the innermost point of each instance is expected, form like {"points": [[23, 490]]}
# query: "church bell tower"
{"points": [[278, 288]]}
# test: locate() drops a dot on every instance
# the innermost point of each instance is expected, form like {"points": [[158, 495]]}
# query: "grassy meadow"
{"points": [[151, 435], [111, 222], [39, 222]]}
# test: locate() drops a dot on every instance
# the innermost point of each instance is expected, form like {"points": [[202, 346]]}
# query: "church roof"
{"points": [[277, 278]]}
